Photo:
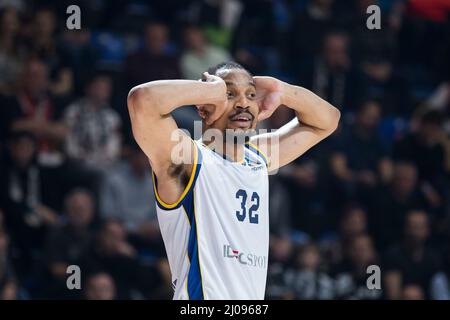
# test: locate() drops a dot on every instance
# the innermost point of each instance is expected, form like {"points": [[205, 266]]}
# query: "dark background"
{"points": [[75, 188]]}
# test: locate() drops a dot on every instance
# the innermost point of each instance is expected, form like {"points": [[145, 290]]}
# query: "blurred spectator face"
{"points": [[416, 227], [156, 36], [368, 117], [35, 78], [100, 90], [336, 51], [9, 22], [361, 251], [194, 39], [80, 209], [404, 178], [100, 287], [76, 38], [354, 222], [22, 150], [413, 292], [44, 22], [9, 291], [281, 249], [111, 236], [309, 258], [306, 174]]}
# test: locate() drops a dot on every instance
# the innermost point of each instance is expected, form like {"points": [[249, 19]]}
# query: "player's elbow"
{"points": [[332, 122], [135, 96], [140, 100]]}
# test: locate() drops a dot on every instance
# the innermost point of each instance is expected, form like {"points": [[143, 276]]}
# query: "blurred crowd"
{"points": [[75, 189]]}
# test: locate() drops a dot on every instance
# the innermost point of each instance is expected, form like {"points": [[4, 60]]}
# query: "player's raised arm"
{"points": [[150, 106], [316, 119]]}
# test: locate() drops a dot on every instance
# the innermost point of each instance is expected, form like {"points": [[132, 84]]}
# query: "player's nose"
{"points": [[242, 103]]}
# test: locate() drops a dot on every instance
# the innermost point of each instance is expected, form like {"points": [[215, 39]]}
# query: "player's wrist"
{"points": [[285, 89], [291, 94], [215, 91]]}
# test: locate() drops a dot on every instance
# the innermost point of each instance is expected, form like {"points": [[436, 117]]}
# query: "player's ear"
{"points": [[202, 111]]}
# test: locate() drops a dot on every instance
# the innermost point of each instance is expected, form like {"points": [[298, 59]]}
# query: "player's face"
{"points": [[242, 109]]}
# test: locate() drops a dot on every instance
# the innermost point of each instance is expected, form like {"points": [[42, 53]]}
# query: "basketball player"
{"points": [[213, 208]]}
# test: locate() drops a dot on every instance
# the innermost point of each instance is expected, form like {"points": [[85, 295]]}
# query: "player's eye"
{"points": [[252, 95], [230, 94]]}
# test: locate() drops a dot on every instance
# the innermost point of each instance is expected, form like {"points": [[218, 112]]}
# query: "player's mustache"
{"points": [[242, 112]]}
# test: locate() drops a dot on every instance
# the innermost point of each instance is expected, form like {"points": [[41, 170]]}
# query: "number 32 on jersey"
{"points": [[251, 208]]}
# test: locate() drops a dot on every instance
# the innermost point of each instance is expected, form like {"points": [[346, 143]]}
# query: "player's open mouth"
{"points": [[242, 120]]}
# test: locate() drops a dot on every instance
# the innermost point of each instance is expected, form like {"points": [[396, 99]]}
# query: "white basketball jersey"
{"points": [[217, 234]]}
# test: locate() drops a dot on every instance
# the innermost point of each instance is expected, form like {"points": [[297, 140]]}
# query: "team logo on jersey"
{"points": [[248, 259]]}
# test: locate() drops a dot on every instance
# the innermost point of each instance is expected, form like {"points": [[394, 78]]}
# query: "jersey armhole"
{"points": [[261, 154], [191, 183]]}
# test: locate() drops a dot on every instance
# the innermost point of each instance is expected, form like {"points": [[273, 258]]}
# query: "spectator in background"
{"points": [[153, 62], [35, 110], [317, 16], [308, 200], [360, 163], [279, 207], [27, 191], [93, 136], [156, 62], [199, 53], [281, 255], [413, 292], [79, 55], [389, 205], [100, 286], [43, 45], [351, 276], [411, 262], [127, 194], [424, 147], [66, 245], [330, 74], [306, 281], [112, 253], [11, 54], [353, 223]]}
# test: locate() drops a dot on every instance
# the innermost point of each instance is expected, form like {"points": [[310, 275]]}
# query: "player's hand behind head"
{"points": [[212, 111], [268, 95]]}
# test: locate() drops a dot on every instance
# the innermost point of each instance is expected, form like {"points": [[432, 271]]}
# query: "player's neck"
{"points": [[231, 151]]}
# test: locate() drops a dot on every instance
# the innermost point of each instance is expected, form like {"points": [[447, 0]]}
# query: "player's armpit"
{"points": [[172, 185]]}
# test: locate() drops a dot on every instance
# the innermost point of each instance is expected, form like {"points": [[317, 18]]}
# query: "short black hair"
{"points": [[229, 65]]}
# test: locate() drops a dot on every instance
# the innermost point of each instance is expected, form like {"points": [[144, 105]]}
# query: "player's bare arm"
{"points": [[150, 106], [316, 119]]}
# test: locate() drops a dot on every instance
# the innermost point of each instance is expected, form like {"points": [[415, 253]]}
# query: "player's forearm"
{"points": [[164, 96], [311, 109]]}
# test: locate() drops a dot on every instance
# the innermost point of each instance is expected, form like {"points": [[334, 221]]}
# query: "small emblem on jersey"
{"points": [[248, 259]]}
